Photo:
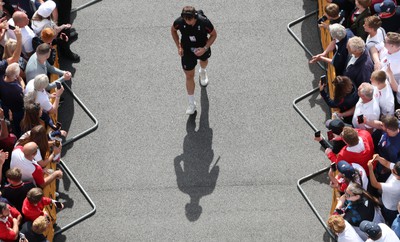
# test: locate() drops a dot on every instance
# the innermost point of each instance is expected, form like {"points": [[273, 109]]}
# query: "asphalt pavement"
{"points": [[228, 173]]}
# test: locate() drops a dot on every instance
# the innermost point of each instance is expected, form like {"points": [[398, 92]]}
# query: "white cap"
{"points": [[46, 8]]}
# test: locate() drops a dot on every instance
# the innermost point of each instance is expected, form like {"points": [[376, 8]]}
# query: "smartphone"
{"points": [[333, 166], [330, 135], [11, 27], [360, 119], [22, 237], [323, 80], [58, 125], [317, 134], [58, 205], [58, 85], [57, 143]]}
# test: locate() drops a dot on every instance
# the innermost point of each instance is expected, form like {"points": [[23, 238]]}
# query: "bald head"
{"points": [[20, 19], [30, 150]]}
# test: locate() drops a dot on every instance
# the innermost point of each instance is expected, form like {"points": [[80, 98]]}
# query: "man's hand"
{"points": [[327, 151], [200, 51], [67, 75], [3, 157], [180, 51]]}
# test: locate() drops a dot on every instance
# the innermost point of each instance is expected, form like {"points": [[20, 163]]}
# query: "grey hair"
{"points": [[41, 81], [367, 90], [337, 31], [356, 44], [12, 70]]}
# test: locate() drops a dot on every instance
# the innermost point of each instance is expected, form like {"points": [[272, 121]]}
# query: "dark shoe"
{"points": [[73, 35]]}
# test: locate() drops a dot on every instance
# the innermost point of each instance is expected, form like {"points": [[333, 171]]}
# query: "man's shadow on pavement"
{"points": [[194, 173]]}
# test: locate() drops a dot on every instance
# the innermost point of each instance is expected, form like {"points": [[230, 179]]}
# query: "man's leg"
{"points": [[203, 73], [190, 86]]}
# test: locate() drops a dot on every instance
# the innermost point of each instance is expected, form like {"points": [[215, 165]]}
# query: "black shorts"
{"points": [[189, 59]]}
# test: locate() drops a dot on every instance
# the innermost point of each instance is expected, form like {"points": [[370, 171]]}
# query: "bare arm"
{"points": [[17, 52], [372, 179], [4, 129]]}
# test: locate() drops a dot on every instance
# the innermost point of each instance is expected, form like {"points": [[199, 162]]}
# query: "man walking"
{"points": [[197, 35]]}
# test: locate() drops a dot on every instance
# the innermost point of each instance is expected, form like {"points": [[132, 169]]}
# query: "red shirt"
{"points": [[6, 225], [361, 158], [31, 211]]}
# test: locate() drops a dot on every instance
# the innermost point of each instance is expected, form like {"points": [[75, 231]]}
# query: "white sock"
{"points": [[202, 69], [191, 99]]}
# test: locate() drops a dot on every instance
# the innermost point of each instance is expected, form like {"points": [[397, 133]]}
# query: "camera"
{"points": [[322, 19], [333, 166]]}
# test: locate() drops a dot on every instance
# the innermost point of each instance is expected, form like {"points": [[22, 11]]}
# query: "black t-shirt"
{"points": [[194, 36], [392, 24], [30, 235]]}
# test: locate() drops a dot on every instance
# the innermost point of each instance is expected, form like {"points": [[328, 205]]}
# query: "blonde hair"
{"points": [[336, 223], [9, 48], [39, 225]]}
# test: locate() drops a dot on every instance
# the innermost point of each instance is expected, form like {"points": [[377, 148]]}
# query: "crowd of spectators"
{"points": [[31, 33], [363, 140]]}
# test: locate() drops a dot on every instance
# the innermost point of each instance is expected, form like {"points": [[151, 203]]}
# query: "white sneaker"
{"points": [[191, 109], [203, 78]]}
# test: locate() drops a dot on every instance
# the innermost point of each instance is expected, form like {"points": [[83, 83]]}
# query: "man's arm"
{"points": [[175, 37], [4, 129], [17, 52], [372, 179], [211, 39]]}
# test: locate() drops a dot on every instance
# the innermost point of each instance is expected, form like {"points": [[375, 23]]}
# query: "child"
{"points": [[34, 204]]}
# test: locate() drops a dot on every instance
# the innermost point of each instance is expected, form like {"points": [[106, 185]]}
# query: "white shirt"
{"points": [[42, 97], [27, 36], [370, 110], [38, 26], [363, 174], [385, 99], [377, 39], [390, 191], [349, 234]]}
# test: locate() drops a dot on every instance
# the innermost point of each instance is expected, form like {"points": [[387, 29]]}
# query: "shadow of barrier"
{"points": [[297, 100], [67, 171]]}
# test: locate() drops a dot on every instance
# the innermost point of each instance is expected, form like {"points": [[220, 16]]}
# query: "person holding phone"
{"points": [[34, 204], [345, 96], [367, 111], [197, 36]]}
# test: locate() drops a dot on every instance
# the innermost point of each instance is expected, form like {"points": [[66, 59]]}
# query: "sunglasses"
{"points": [[187, 16]]}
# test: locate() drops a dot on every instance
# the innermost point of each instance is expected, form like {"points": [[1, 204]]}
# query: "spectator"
{"points": [[33, 231], [38, 64], [344, 231], [396, 222], [10, 219], [390, 188], [34, 204], [333, 14], [359, 148], [356, 20], [345, 97], [376, 34], [346, 5], [383, 92], [16, 190], [21, 20], [389, 142], [38, 135], [32, 115], [12, 95], [3, 158], [348, 173], [336, 127], [43, 18], [389, 14], [12, 46], [360, 66], [357, 205], [340, 37], [35, 93], [47, 36], [378, 232], [368, 107], [23, 158], [26, 6]]}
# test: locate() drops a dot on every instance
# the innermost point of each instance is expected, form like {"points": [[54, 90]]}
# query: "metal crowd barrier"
{"points": [[302, 97], [67, 171]]}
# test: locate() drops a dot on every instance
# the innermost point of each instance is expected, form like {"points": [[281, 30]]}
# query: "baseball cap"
{"points": [[386, 6], [346, 169], [370, 228], [46, 8], [336, 125]]}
